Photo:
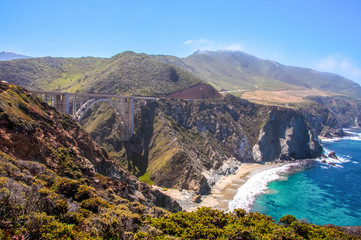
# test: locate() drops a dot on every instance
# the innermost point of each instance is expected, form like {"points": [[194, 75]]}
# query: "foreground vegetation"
{"points": [[36, 203]]}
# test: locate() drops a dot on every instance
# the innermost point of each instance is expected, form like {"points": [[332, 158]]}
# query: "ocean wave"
{"points": [[352, 136], [257, 185], [340, 158], [330, 139]]}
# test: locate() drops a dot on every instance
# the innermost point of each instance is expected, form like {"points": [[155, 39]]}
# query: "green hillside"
{"points": [[47, 73], [137, 74], [126, 73], [233, 70]]}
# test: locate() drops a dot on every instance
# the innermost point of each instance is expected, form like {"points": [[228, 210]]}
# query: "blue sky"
{"points": [[324, 35]]}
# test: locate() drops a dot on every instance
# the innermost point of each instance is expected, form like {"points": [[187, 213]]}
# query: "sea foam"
{"points": [[257, 185]]}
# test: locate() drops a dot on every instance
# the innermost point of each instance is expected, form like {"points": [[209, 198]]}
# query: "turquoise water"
{"points": [[321, 193]]}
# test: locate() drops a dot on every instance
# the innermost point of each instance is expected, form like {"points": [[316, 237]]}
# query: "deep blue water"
{"points": [[322, 193]]}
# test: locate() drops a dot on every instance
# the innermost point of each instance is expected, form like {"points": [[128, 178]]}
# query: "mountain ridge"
{"points": [[233, 70], [126, 73], [136, 73]]}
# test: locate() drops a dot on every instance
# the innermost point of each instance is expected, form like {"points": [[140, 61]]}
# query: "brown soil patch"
{"points": [[282, 97]]}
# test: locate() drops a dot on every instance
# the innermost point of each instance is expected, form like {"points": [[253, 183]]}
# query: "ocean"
{"points": [[316, 191]]}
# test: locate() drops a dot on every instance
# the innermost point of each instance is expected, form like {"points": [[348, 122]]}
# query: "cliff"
{"points": [[347, 110], [287, 136], [188, 144], [329, 115]]}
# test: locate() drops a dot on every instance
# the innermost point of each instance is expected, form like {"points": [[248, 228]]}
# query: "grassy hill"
{"points": [[138, 74], [126, 73], [48, 73], [234, 70]]}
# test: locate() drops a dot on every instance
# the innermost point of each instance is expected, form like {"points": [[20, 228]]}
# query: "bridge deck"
{"points": [[91, 95]]}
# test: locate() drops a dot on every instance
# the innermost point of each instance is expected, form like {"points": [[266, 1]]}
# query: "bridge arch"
{"points": [[119, 118], [86, 106]]}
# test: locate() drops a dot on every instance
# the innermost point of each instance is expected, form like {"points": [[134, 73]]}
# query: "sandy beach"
{"points": [[223, 191]]}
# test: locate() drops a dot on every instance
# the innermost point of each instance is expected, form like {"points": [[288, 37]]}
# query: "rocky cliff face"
{"points": [[329, 115], [346, 110], [286, 136], [191, 144], [30, 130]]}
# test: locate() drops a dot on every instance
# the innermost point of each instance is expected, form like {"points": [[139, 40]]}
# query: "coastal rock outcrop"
{"points": [[332, 154], [286, 136], [329, 115]]}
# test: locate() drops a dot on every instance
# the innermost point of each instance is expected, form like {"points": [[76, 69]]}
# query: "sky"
{"points": [[324, 35]]}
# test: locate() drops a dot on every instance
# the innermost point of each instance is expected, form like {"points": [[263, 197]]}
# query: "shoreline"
{"points": [[223, 191]]}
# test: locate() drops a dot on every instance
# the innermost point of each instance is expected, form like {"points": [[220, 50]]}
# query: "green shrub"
{"points": [[287, 220], [52, 203], [42, 226], [116, 223], [84, 192], [67, 187], [94, 204]]}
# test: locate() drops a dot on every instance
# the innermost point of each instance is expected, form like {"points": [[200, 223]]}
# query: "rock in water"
{"points": [[332, 155], [197, 199]]}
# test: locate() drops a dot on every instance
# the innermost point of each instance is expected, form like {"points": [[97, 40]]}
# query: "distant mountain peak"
{"points": [[6, 56], [201, 51], [221, 52]]}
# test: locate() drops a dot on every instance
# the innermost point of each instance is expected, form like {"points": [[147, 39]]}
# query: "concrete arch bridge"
{"points": [[77, 104]]}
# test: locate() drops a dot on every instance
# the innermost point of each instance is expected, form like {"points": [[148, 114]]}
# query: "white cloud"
{"points": [[200, 41], [234, 47], [205, 44], [339, 65]]}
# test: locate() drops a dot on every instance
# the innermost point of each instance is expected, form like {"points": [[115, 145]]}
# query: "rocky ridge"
{"points": [[329, 115]]}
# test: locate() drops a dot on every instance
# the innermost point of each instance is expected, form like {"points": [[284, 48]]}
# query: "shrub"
{"points": [[52, 203], [42, 226], [84, 192], [287, 220], [67, 187], [116, 223], [94, 204]]}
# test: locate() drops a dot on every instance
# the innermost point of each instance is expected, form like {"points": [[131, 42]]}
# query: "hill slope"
{"points": [[55, 179], [57, 74], [127, 73], [231, 70], [138, 74]]}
